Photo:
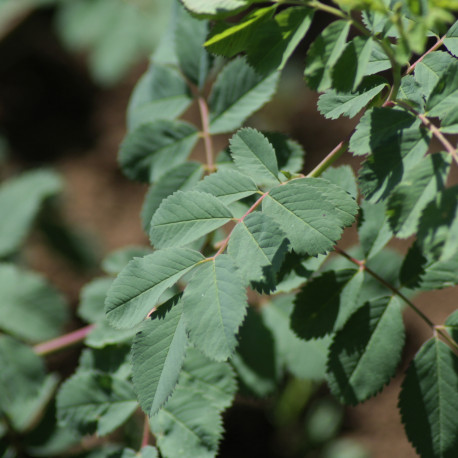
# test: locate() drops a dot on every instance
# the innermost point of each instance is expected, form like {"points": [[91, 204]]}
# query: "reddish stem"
{"points": [[146, 432], [437, 45], [62, 342]]}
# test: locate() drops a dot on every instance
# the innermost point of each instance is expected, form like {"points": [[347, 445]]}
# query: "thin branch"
{"points": [[62, 342], [340, 149], [146, 432], [362, 265], [208, 144], [433, 129], [437, 45]]}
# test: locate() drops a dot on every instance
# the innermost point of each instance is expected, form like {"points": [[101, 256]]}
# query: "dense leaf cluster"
{"points": [[178, 326]]}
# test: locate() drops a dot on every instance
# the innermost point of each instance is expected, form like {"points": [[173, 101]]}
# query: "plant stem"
{"points": [[437, 45], [146, 432], [362, 265], [208, 144], [433, 129], [340, 149], [62, 342]]}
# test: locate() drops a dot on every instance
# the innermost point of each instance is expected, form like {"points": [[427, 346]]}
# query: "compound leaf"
{"points": [[95, 402], [237, 93], [451, 39], [30, 308], [366, 351], [185, 216], [253, 154], [431, 69], [259, 240], [139, 286], [30, 190], [324, 53], [149, 151], [312, 212], [444, 97], [228, 185], [325, 303], [214, 305], [157, 356], [419, 186], [428, 401], [161, 93], [182, 177]]}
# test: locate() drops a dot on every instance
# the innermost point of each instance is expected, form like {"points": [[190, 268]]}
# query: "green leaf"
{"points": [[237, 93], [259, 240], [92, 299], [343, 177], [149, 151], [290, 154], [213, 380], [437, 226], [182, 177], [190, 35], [136, 290], [333, 104], [185, 216], [104, 334], [30, 308], [114, 360], [187, 426], [366, 351], [275, 40], [352, 65], [228, 39], [430, 69], [311, 212], [378, 60], [254, 155], [30, 190], [161, 93], [428, 401], [115, 261], [373, 229], [228, 185], [410, 92], [419, 186], [216, 7], [325, 303], [255, 361], [451, 39], [157, 356], [397, 142], [444, 97], [452, 325], [214, 305], [95, 402], [24, 387], [425, 273], [324, 53], [304, 359]]}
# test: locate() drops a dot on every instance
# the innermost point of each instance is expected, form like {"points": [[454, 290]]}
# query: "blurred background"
{"points": [[67, 69]]}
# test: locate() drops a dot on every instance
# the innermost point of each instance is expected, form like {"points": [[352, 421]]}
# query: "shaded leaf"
{"points": [[185, 216], [95, 402], [92, 299], [136, 290], [428, 401], [290, 154], [451, 39], [343, 177], [419, 186], [157, 356], [237, 93], [432, 67], [444, 96], [104, 334], [216, 7], [325, 303], [114, 360], [366, 351], [214, 305], [324, 53]]}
